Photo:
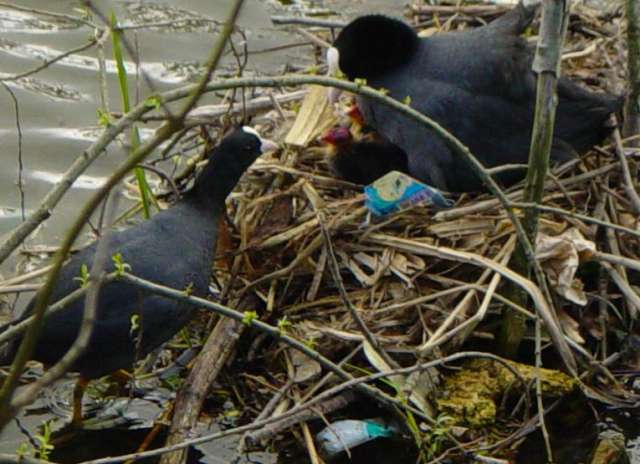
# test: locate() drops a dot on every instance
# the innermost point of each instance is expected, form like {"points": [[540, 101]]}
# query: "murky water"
{"points": [[57, 106]]}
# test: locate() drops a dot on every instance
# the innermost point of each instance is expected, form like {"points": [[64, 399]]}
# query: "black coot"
{"points": [[174, 248], [478, 84], [364, 159]]}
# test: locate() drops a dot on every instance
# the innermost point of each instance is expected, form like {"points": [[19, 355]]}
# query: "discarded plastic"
{"points": [[396, 191], [347, 434]]}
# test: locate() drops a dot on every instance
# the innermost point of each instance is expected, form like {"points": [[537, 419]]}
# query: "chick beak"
{"points": [[333, 60], [267, 145]]}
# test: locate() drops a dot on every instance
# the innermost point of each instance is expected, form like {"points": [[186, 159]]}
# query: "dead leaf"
{"points": [[305, 368], [560, 257], [315, 117]]}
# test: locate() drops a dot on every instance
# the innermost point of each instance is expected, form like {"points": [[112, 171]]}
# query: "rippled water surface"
{"points": [[58, 105]]}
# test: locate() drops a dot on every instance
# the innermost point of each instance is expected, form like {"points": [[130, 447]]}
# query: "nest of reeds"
{"points": [[426, 282]]}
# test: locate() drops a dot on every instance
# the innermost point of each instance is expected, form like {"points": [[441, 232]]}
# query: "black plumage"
{"points": [[478, 84], [365, 159], [174, 248]]}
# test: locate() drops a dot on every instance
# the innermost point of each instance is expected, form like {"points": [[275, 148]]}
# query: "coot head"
{"points": [[337, 136], [372, 45], [241, 148], [227, 162]]}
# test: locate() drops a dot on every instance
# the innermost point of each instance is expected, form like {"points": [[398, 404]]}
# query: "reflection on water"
{"points": [[21, 21], [167, 17], [66, 95], [82, 182], [55, 91], [168, 72]]}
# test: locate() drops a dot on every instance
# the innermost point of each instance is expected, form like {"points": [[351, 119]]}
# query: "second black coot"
{"points": [[174, 248], [477, 84]]}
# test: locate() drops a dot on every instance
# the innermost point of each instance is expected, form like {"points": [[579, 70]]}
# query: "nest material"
{"points": [[417, 303]]}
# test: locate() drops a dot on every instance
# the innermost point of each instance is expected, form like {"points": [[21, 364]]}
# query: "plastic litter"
{"points": [[396, 191], [347, 434]]}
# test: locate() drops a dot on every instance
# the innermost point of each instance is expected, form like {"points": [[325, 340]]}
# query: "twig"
{"points": [[633, 298], [480, 206], [546, 65], [15, 459], [629, 186], [16, 107], [340, 401], [316, 400], [18, 327], [25, 277], [542, 306], [582, 217], [335, 271], [92, 41], [539, 403], [51, 14], [96, 279], [160, 24], [316, 40], [248, 439], [282, 20], [163, 176], [215, 352], [102, 74], [20, 288], [617, 260], [268, 329], [440, 336]]}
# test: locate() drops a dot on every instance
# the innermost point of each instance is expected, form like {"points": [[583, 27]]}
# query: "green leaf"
{"points": [[249, 317], [152, 102], [84, 276], [283, 325], [24, 450], [188, 290], [145, 191], [134, 324], [120, 266], [104, 119], [360, 82], [44, 442], [310, 343]]}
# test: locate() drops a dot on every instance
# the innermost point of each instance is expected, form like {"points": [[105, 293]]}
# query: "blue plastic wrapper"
{"points": [[396, 191], [347, 434]]}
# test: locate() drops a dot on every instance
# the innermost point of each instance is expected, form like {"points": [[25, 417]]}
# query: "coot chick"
{"points": [[365, 160], [478, 84], [174, 248]]}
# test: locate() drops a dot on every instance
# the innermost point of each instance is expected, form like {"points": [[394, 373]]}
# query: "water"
{"points": [[58, 105]]}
